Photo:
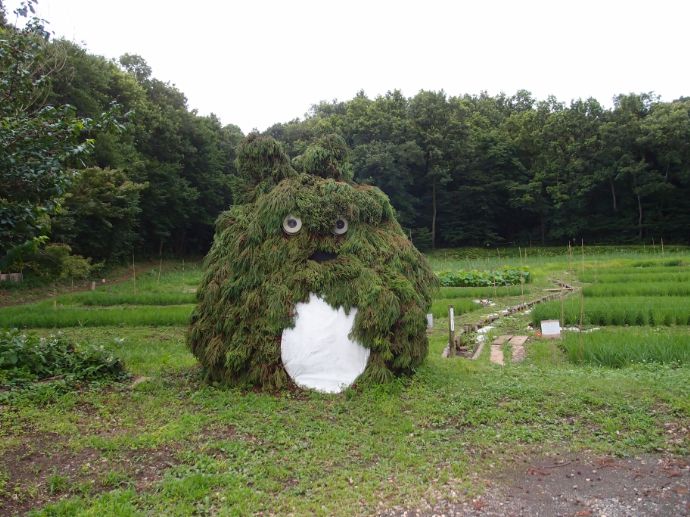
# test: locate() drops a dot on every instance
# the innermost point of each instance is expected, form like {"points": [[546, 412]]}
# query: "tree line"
{"points": [[497, 170], [101, 156]]}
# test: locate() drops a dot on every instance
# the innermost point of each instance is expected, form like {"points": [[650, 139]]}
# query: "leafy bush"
{"points": [[26, 358], [475, 278], [53, 262]]}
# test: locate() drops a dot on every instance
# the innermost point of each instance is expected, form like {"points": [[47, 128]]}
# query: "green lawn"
{"points": [[165, 443]]}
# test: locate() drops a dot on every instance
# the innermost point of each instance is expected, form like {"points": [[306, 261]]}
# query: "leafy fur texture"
{"points": [[256, 274]]}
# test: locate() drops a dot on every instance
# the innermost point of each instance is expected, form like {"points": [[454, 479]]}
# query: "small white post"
{"points": [[451, 331]]}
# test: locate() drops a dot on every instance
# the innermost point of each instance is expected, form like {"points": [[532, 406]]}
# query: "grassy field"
{"points": [[166, 443]]}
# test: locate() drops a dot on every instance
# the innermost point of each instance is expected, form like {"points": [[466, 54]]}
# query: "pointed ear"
{"points": [[328, 157], [261, 164]]}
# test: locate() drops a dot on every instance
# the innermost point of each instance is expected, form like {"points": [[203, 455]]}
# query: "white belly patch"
{"points": [[317, 353]]}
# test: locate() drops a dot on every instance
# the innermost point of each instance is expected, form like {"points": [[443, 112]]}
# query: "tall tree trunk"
{"points": [[639, 217], [613, 195], [433, 214]]}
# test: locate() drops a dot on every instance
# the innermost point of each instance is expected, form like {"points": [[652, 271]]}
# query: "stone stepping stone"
{"points": [[497, 350], [518, 344]]}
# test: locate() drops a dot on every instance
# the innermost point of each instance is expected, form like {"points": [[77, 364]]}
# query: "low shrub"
{"points": [[27, 358]]}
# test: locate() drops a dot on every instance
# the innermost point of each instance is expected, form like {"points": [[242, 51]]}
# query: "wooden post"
{"points": [[451, 331], [662, 246], [134, 273], [160, 263], [93, 285]]}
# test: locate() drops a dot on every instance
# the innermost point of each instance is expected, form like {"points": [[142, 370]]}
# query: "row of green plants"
{"points": [[105, 298], [439, 306], [633, 277], [481, 292], [617, 348], [674, 262], [634, 311], [473, 253], [481, 278], [27, 358], [638, 288], [46, 315]]}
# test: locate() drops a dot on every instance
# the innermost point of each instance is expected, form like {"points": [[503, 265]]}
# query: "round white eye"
{"points": [[340, 226], [292, 224]]}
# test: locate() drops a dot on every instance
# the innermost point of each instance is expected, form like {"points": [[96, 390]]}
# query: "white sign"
{"points": [[430, 321], [451, 315], [551, 328]]}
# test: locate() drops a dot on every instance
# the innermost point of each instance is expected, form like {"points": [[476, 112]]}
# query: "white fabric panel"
{"points": [[317, 353]]}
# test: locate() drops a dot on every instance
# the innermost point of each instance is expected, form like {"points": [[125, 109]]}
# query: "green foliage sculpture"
{"points": [[301, 232]]}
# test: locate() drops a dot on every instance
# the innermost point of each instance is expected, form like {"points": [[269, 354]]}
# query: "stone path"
{"points": [[518, 344], [497, 349]]}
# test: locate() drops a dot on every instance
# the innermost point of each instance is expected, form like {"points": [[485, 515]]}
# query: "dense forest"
{"points": [[99, 155]]}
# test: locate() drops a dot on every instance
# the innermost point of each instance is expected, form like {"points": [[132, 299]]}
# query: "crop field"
{"points": [[165, 442], [616, 348]]}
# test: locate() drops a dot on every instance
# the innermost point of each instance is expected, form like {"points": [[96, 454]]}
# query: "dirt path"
{"points": [[581, 487]]}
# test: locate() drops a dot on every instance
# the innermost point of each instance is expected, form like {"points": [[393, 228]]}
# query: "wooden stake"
{"points": [[662, 246], [522, 280], [582, 301], [160, 263]]}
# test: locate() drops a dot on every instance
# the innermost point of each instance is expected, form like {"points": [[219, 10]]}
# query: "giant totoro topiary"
{"points": [[310, 277]]}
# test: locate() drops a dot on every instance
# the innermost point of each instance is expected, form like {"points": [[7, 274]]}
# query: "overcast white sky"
{"points": [[254, 63]]}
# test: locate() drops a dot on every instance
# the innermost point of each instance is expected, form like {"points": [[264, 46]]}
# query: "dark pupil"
{"points": [[292, 223], [340, 224]]}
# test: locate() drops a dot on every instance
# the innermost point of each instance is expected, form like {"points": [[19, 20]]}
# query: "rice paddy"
{"points": [[619, 347], [616, 289], [617, 310]]}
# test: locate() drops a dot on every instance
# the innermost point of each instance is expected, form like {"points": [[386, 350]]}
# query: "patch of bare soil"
{"points": [[580, 487], [43, 469]]}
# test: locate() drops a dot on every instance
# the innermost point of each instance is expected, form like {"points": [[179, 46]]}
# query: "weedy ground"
{"points": [[165, 443]]}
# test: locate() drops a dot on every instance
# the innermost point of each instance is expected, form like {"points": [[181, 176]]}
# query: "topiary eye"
{"points": [[340, 226], [292, 224]]}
